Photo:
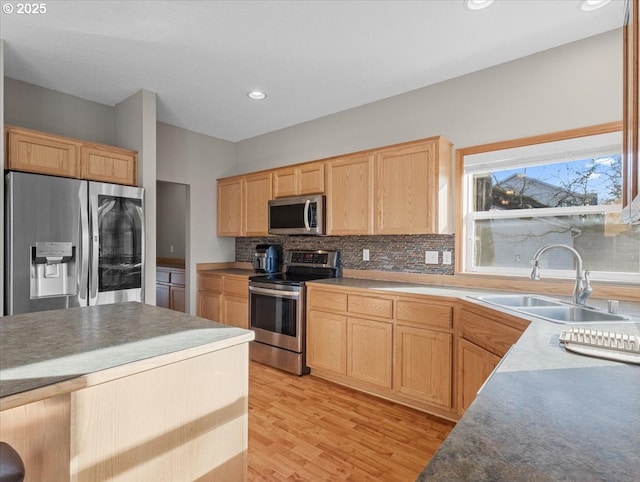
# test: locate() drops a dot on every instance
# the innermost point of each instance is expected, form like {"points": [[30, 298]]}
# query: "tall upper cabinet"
{"points": [[631, 112], [412, 188]]}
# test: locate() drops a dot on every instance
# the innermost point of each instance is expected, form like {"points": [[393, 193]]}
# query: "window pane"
{"points": [[603, 242], [587, 182]]}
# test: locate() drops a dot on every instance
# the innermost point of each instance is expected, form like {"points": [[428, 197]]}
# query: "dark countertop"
{"points": [[546, 414], [41, 349]]}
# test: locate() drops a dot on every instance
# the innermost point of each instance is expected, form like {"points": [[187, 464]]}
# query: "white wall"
{"points": [[34, 107], [575, 85], [197, 160], [171, 223], [135, 123]]}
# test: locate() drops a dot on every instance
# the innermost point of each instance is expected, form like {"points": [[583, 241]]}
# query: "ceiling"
{"points": [[312, 58]]}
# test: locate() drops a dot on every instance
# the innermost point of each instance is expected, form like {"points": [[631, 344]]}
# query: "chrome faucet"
{"points": [[582, 288]]}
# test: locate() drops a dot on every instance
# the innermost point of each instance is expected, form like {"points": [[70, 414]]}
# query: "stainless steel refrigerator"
{"points": [[71, 243]]}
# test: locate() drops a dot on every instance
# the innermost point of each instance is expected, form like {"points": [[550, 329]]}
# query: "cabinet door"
{"points": [[100, 163], [162, 296], [235, 311], [410, 180], [41, 153], [230, 200], [369, 351], [257, 193], [475, 364], [209, 305], [311, 178], [285, 182], [423, 365], [177, 299], [327, 341], [350, 195]]}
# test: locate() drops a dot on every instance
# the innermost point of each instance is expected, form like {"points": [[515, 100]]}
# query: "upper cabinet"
{"points": [[350, 195], [43, 153], [108, 164], [299, 180], [400, 189], [631, 112], [257, 193], [230, 206], [412, 188], [243, 205]]}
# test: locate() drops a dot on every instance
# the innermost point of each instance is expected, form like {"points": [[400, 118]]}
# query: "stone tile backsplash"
{"points": [[404, 253]]}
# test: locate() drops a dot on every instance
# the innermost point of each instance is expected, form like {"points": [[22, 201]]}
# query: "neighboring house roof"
{"points": [[522, 191]]}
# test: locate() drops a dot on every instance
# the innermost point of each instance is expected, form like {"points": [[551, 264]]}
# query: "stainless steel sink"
{"points": [[551, 309], [518, 300], [572, 314]]}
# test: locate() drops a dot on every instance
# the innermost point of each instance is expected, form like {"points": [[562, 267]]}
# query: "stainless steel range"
{"points": [[277, 312]]}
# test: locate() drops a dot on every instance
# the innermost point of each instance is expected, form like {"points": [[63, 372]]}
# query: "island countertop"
{"points": [[38, 351]]}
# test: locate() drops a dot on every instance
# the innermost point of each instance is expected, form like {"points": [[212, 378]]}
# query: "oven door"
{"points": [[276, 315]]}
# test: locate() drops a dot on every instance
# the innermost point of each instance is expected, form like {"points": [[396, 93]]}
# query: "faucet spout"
{"points": [[582, 289]]}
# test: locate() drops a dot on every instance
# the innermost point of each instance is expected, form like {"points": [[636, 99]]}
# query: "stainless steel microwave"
{"points": [[297, 215]]}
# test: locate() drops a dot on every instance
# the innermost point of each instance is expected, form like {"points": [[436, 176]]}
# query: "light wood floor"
{"points": [[307, 429]]}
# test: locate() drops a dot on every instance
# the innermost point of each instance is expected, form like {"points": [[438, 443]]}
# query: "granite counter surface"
{"points": [[546, 414], [41, 349]]}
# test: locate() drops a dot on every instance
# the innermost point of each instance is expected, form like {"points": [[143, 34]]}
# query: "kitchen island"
{"points": [[124, 392]]}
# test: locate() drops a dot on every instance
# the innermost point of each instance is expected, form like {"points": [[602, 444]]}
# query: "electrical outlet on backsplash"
{"points": [[400, 253]]}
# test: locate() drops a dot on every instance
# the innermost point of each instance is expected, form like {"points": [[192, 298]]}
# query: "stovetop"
{"points": [[302, 266]]}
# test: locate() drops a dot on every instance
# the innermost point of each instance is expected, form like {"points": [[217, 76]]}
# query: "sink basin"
{"points": [[516, 301], [571, 314]]}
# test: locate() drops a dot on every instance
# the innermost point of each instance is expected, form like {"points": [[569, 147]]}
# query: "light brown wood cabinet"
{"points": [[224, 298], [170, 288], [350, 195], [631, 114], [230, 206], [412, 188], [43, 153], [257, 193], [424, 351], [109, 164], [399, 347], [299, 180], [485, 336], [242, 204]]}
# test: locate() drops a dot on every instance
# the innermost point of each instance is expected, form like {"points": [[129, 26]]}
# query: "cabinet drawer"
{"points": [[327, 301], [236, 287], [177, 278], [370, 305], [210, 283], [163, 276], [427, 314], [488, 334]]}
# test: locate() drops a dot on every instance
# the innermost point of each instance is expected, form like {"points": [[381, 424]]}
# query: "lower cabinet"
{"points": [[397, 347], [224, 298], [423, 365], [485, 336], [476, 365], [370, 351], [170, 291]]}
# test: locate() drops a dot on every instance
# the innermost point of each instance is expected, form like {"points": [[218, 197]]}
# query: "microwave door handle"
{"points": [[306, 215]]}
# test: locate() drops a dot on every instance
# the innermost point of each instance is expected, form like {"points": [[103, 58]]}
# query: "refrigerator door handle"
{"points": [[84, 246], [94, 240]]}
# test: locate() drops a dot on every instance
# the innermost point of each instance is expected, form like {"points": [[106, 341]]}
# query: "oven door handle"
{"points": [[276, 293]]}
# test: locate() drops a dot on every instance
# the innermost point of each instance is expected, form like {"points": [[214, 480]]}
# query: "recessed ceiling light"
{"points": [[590, 5], [256, 95], [477, 4]]}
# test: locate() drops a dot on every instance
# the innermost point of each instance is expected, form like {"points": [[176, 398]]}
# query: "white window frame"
{"points": [[497, 156]]}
